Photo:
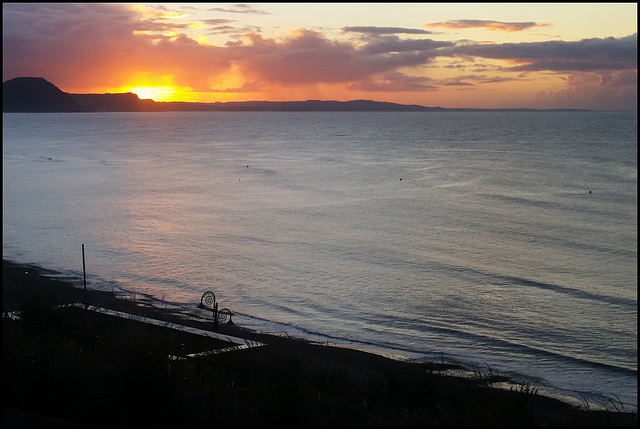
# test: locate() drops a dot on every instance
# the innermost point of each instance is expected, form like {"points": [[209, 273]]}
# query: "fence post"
{"points": [[84, 276]]}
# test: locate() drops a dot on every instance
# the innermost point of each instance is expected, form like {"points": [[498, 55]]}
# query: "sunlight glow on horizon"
{"points": [[154, 93]]}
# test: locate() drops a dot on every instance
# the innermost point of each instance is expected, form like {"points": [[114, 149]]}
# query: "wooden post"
{"points": [[84, 275]]}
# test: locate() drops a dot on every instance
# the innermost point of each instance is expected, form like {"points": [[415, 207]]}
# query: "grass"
{"points": [[89, 368]]}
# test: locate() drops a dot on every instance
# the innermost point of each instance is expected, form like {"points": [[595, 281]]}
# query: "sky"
{"points": [[467, 55]]}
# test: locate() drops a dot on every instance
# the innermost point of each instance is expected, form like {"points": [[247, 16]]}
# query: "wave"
{"points": [[576, 293], [487, 343]]}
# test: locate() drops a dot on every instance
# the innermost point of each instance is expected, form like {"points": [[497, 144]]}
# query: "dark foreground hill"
{"points": [[75, 366]]}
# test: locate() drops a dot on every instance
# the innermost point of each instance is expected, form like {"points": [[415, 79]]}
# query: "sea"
{"points": [[502, 240]]}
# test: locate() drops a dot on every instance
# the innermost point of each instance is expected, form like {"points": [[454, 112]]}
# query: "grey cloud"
{"points": [[239, 8], [394, 44], [587, 54], [394, 82], [384, 30], [216, 22]]}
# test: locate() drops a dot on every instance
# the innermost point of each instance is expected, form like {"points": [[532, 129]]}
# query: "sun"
{"points": [[156, 93]]}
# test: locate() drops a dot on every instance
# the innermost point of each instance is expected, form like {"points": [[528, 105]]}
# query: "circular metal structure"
{"points": [[208, 299], [224, 315]]}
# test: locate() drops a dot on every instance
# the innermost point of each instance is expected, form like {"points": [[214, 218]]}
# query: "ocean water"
{"points": [[503, 240]]}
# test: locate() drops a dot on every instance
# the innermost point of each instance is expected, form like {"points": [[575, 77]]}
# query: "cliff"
{"points": [[35, 94]]}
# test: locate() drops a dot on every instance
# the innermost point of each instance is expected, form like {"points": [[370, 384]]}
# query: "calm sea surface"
{"points": [[504, 240]]}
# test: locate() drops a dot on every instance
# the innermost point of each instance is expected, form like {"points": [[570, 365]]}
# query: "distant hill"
{"points": [[36, 94], [298, 106], [125, 102]]}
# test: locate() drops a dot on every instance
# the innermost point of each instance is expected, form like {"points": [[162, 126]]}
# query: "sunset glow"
{"points": [[154, 93], [433, 54]]}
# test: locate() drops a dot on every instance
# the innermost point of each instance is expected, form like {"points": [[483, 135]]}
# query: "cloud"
{"points": [[239, 8], [394, 44], [601, 73], [98, 45], [584, 55], [463, 24], [307, 57], [384, 30], [60, 39], [394, 82], [217, 22], [226, 27], [607, 90], [91, 45], [466, 80]]}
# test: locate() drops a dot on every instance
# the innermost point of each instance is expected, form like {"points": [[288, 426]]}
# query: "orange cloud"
{"points": [[461, 24]]}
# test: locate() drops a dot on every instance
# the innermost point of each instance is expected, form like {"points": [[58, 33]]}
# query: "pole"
{"points": [[215, 317], [84, 275]]}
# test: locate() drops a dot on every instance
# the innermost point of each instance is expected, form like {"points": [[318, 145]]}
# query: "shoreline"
{"points": [[33, 274], [18, 279], [17, 275]]}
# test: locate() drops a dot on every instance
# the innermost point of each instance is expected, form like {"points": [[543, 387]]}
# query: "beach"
{"points": [[275, 379]]}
